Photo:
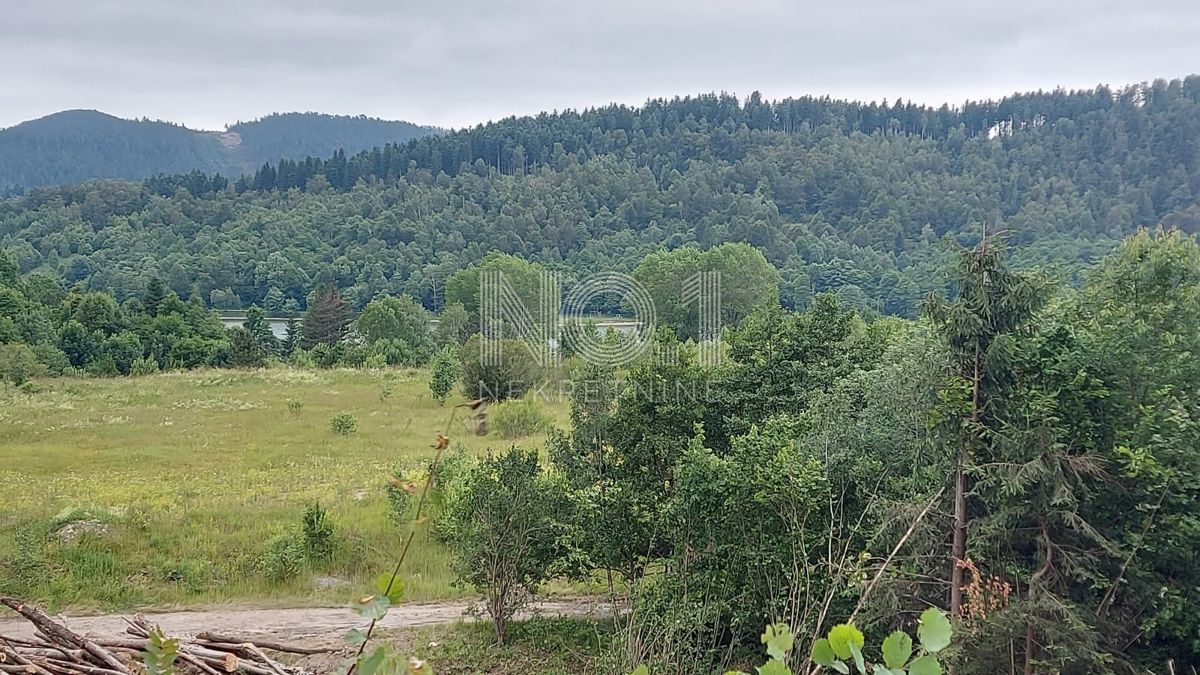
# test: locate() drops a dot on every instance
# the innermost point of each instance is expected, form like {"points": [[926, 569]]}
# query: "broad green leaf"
{"points": [[396, 593], [729, 672], [778, 639], [840, 667], [355, 637], [160, 654], [934, 630], [373, 607], [897, 649], [840, 637], [368, 665], [822, 653], [774, 667], [880, 669], [856, 652], [641, 670], [925, 665]]}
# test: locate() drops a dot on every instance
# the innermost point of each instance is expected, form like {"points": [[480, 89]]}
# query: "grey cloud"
{"points": [[458, 63]]}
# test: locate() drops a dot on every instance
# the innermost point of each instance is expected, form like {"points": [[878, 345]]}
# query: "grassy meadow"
{"points": [[165, 490]]}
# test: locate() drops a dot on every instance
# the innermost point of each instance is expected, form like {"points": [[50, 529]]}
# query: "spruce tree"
{"points": [[326, 319], [256, 324], [992, 302], [292, 339], [156, 292]]}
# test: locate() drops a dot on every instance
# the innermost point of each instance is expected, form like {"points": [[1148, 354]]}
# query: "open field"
{"points": [[175, 484]]}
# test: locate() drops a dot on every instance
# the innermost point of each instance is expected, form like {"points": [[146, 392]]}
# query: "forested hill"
{"points": [[78, 145], [862, 199]]}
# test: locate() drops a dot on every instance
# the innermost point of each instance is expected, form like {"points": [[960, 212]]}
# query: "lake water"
{"points": [[279, 324]]}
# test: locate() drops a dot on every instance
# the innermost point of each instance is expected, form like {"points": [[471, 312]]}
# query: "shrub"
{"points": [[244, 349], [284, 557], [18, 364], [519, 418], [444, 372], [398, 353], [55, 359], [449, 477], [351, 355], [102, 366], [400, 493], [302, 358], [143, 366], [317, 531], [516, 372], [504, 531], [323, 355], [343, 424]]}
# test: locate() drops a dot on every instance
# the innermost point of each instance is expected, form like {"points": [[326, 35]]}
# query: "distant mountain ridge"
{"points": [[78, 145]]}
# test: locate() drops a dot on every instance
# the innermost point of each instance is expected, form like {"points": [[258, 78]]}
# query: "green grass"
{"points": [[552, 646], [193, 473]]}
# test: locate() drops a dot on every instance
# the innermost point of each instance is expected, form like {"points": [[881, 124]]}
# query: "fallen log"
{"points": [[221, 638], [62, 635], [11, 654], [57, 650]]}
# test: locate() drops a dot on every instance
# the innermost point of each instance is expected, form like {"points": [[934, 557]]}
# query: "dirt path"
{"points": [[315, 625]]}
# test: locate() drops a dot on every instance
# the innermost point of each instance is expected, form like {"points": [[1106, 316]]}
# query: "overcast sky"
{"points": [[459, 62]]}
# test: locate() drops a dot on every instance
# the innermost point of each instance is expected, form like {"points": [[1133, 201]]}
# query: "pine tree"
{"points": [[156, 292], [292, 339], [992, 302], [256, 324], [326, 319]]}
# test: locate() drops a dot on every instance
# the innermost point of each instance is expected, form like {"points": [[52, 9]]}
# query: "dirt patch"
{"points": [[316, 626]]}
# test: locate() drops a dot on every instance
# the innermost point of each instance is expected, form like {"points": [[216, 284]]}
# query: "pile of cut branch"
{"points": [[56, 650]]}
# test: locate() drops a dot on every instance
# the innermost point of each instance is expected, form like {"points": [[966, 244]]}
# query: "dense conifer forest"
{"points": [[862, 199]]}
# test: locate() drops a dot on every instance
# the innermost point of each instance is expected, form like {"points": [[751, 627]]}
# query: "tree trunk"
{"points": [[959, 547]]}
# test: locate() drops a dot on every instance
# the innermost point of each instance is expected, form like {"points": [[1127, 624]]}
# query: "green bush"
{"points": [[143, 366], [401, 491], [317, 531], [505, 531], [343, 424], [449, 477], [53, 358], [18, 364], [444, 372], [395, 352], [516, 373], [302, 358], [323, 355], [284, 558], [519, 418], [350, 355]]}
